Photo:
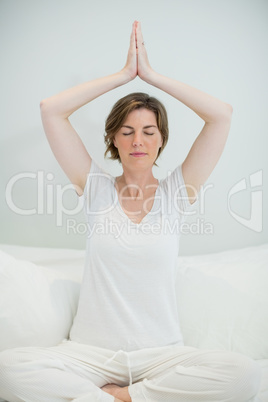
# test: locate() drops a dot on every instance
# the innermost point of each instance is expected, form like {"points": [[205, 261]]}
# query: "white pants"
{"points": [[72, 371]]}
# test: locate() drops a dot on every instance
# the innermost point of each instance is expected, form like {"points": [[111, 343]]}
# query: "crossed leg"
{"points": [[36, 374], [76, 373], [200, 376]]}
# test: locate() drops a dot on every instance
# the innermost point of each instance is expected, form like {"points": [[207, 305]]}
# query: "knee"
{"points": [[246, 380], [5, 364], [10, 373], [7, 360], [253, 378]]}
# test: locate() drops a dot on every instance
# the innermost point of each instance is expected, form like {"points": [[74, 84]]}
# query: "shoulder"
{"points": [[174, 187], [97, 180], [174, 178]]}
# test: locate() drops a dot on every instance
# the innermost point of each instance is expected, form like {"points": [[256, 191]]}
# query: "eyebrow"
{"points": [[143, 127]]}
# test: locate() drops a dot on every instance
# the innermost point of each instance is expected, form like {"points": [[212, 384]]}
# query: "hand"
{"points": [[143, 65], [131, 64]]}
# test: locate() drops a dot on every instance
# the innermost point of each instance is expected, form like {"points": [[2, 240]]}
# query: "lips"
{"points": [[138, 154]]}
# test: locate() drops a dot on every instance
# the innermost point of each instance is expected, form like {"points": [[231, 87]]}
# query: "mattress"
{"points": [[70, 263]]}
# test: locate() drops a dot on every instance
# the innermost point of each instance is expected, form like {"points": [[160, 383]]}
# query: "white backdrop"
{"points": [[218, 46]]}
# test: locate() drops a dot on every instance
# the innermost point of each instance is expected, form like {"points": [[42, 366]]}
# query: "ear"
{"points": [[114, 142]]}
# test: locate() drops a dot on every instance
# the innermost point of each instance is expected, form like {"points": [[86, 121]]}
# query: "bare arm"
{"points": [[65, 143], [208, 146]]}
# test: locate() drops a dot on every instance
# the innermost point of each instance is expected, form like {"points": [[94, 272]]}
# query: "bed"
{"points": [[222, 299]]}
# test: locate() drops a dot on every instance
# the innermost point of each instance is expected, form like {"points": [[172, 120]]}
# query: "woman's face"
{"points": [[138, 140]]}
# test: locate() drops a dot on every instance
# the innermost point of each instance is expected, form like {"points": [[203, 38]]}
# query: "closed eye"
{"points": [[132, 133]]}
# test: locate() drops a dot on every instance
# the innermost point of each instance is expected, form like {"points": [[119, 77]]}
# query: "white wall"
{"points": [[218, 46]]}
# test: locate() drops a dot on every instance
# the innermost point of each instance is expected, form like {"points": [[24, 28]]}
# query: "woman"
{"points": [[125, 343]]}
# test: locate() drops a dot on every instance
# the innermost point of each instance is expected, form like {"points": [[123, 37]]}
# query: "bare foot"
{"points": [[120, 393], [111, 389]]}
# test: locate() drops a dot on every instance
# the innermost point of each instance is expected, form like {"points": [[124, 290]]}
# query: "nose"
{"points": [[137, 140]]}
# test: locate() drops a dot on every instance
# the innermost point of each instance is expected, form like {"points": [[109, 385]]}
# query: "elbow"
{"points": [[43, 106], [46, 107], [229, 110], [225, 113], [222, 114]]}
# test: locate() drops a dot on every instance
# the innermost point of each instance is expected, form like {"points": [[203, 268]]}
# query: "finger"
{"points": [[132, 32], [139, 34], [135, 34], [135, 28], [133, 38]]}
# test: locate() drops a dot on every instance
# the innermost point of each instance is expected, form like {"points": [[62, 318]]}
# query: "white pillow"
{"points": [[37, 304], [223, 301]]}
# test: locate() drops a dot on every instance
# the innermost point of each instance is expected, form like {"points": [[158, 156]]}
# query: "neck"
{"points": [[136, 183]]}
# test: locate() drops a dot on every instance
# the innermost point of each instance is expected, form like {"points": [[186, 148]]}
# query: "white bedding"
{"points": [[44, 284]]}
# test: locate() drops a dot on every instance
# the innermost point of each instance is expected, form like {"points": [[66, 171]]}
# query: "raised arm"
{"points": [[208, 146], [65, 143]]}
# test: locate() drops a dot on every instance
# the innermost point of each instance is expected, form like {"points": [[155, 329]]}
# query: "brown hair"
{"points": [[120, 111]]}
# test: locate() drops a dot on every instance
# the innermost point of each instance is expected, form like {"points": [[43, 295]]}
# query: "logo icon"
{"points": [[255, 220]]}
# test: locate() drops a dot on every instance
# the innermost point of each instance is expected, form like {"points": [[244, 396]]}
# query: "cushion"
{"points": [[223, 300], [37, 304]]}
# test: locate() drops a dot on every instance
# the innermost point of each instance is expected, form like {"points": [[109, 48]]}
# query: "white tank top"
{"points": [[128, 298]]}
